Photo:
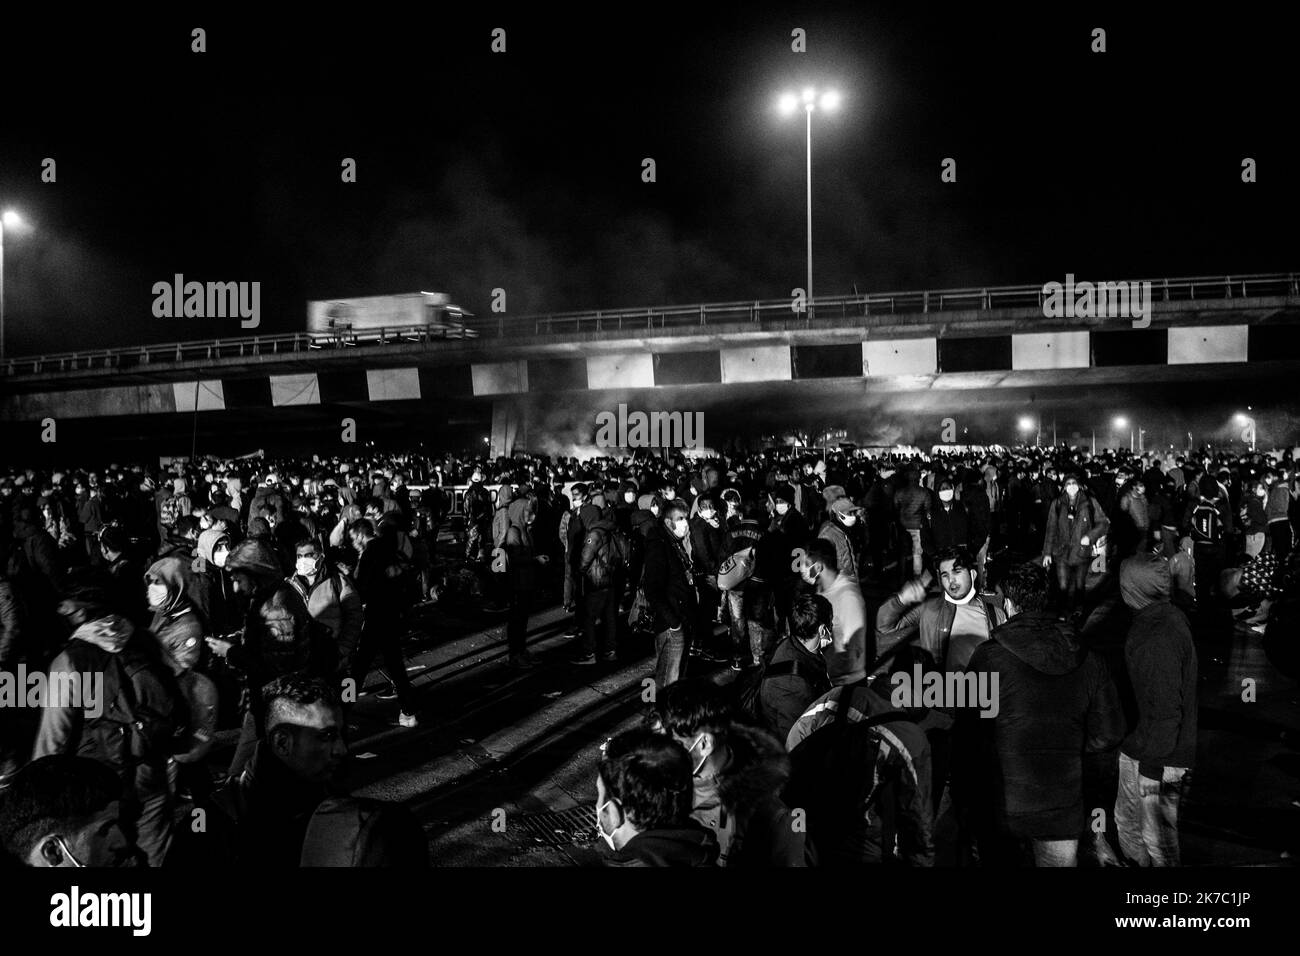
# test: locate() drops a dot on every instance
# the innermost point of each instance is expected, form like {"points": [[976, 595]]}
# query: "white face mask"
{"points": [[308, 567], [782, 507], [711, 517], [219, 557], [607, 837], [945, 495], [629, 497], [849, 520], [1071, 490], [157, 595], [810, 573], [691, 749]]}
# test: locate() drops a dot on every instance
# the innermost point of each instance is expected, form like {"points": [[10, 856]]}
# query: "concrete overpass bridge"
{"points": [[902, 353]]}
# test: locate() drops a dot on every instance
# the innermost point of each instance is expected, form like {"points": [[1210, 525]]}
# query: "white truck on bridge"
{"points": [[362, 318]]}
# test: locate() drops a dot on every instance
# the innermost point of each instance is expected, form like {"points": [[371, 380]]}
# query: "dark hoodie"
{"points": [[1056, 702], [688, 845], [1162, 668]]}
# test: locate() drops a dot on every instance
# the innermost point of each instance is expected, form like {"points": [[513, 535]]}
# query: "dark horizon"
{"points": [[522, 170]]}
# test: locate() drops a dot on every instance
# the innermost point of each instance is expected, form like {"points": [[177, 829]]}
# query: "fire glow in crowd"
{"points": [[254, 596]]}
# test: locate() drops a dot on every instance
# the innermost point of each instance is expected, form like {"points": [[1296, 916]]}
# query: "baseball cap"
{"points": [[844, 506]]}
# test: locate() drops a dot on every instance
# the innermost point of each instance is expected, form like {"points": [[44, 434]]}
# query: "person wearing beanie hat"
{"points": [[276, 638]]}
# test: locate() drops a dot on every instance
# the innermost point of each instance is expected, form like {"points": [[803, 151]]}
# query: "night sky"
{"points": [[522, 170]]}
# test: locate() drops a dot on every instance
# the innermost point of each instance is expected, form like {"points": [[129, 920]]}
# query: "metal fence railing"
{"points": [[826, 312]]}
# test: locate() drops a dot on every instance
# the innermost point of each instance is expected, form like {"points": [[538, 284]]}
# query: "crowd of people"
{"points": [[255, 595]]}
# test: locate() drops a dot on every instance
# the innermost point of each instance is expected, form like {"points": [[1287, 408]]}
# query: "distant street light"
{"points": [[1248, 433], [11, 220], [787, 104]]}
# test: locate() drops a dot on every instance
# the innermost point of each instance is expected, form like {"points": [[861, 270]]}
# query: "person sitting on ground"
{"points": [[643, 804]]}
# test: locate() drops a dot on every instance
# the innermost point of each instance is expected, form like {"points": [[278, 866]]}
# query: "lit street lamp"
{"points": [[1027, 424], [12, 220], [1122, 423], [1248, 433], [829, 101]]}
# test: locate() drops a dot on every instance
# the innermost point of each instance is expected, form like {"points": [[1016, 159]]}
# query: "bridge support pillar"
{"points": [[509, 427]]}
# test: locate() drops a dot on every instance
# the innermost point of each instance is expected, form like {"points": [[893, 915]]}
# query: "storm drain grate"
{"points": [[554, 827]]}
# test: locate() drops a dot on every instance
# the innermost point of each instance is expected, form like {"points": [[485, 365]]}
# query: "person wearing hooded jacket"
{"points": [[276, 637], [669, 584], [1056, 702], [602, 577], [1156, 757], [104, 643], [178, 628], [332, 601], [210, 588]]}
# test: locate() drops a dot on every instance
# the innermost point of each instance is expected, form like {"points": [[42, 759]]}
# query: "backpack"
{"points": [[750, 691], [832, 775], [358, 832], [129, 733], [605, 559], [737, 569], [1207, 523]]}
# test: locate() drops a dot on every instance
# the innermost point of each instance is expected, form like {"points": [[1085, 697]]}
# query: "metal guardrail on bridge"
{"points": [[763, 314]]}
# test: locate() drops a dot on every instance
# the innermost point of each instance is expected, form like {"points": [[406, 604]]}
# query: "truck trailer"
{"points": [[417, 314]]}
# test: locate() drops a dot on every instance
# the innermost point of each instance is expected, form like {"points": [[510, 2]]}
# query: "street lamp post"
{"points": [[9, 218], [788, 104]]}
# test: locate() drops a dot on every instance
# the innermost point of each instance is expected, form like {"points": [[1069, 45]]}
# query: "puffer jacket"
{"points": [[176, 625], [1056, 702], [913, 504], [277, 628], [741, 804], [1161, 663], [335, 606]]}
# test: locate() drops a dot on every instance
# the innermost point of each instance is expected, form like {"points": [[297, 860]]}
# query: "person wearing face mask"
{"points": [[210, 587], [90, 515], [947, 525], [846, 657], [1277, 510], [669, 585], [1255, 521], [842, 517], [1074, 523], [643, 804], [788, 529], [1131, 518], [478, 516], [708, 540], [796, 674], [738, 772], [65, 810], [136, 683], [333, 603]]}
